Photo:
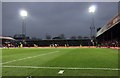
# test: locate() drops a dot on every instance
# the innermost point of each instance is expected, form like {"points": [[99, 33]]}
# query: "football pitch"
{"points": [[59, 62]]}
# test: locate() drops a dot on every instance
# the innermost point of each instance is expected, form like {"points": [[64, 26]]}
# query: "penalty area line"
{"points": [[65, 68]]}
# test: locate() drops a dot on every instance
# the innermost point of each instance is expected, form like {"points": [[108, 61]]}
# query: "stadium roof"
{"points": [[109, 25], [8, 38]]}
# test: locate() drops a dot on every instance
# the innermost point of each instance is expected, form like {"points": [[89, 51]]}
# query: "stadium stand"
{"points": [[45, 43], [7, 41], [109, 35], [28, 42]]}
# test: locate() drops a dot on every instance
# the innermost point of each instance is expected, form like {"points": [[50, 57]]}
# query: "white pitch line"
{"points": [[65, 68], [29, 57]]}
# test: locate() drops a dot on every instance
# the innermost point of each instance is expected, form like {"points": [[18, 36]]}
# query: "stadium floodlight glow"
{"points": [[92, 9], [23, 13]]}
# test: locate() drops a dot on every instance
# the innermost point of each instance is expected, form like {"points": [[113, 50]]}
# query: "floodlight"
{"points": [[92, 9], [23, 13]]}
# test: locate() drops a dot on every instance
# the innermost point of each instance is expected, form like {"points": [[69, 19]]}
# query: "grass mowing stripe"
{"points": [[75, 62], [29, 57], [65, 68]]}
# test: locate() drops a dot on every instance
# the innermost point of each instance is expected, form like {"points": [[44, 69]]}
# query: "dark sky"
{"points": [[55, 18]]}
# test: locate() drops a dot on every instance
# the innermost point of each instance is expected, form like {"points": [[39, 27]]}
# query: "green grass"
{"points": [[59, 57]]}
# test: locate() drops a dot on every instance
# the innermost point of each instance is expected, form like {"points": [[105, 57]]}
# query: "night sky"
{"points": [[55, 18]]}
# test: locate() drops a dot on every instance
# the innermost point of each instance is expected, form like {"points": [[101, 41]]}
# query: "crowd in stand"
{"points": [[111, 43]]}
